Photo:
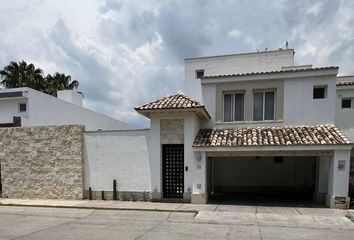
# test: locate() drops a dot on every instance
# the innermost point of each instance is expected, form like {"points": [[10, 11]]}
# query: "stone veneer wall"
{"points": [[172, 131], [42, 162]]}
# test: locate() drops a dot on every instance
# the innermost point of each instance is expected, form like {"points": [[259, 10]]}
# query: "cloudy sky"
{"points": [[126, 52]]}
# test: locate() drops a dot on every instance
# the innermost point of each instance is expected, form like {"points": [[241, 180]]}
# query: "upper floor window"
{"points": [[263, 105], [233, 107], [347, 102], [199, 73], [22, 107], [319, 92]]}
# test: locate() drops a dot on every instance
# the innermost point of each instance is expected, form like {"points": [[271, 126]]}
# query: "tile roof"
{"points": [[177, 101], [270, 136], [347, 83], [271, 72]]}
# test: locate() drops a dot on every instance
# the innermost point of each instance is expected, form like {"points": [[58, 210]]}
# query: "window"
{"points": [[233, 107], [346, 103], [319, 92], [22, 107], [199, 73], [263, 105]]}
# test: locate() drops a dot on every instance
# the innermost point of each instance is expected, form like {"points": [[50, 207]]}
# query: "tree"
{"points": [[59, 82], [22, 74]]}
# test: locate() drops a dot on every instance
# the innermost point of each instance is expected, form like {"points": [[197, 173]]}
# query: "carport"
{"points": [[266, 178], [307, 163]]}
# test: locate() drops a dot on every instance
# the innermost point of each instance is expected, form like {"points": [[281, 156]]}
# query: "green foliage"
{"points": [[22, 74]]}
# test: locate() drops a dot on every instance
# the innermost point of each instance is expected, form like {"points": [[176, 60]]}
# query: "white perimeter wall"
{"points": [[233, 64], [120, 155], [47, 110], [301, 108]]}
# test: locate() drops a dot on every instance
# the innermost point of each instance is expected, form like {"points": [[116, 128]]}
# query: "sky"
{"points": [[126, 53]]}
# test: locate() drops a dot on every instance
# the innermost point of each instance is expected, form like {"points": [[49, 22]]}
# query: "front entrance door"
{"points": [[173, 172]]}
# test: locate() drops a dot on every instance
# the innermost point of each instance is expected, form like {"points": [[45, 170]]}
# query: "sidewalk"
{"points": [[173, 207]]}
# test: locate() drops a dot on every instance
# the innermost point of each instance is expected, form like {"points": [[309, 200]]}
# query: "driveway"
{"points": [[223, 222]]}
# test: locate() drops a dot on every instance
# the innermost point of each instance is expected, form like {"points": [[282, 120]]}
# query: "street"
{"points": [[63, 223]]}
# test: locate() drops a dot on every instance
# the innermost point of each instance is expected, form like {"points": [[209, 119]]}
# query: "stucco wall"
{"points": [[299, 105], [9, 109], [47, 110], [42, 162], [345, 116], [233, 64], [119, 155]]}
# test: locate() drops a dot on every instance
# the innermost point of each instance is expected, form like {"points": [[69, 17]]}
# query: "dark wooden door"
{"points": [[173, 170]]}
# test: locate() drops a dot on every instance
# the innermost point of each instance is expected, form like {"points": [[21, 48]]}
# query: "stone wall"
{"points": [[42, 162], [172, 131]]}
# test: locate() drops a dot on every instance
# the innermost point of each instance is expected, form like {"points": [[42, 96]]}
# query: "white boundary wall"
{"points": [[121, 155]]}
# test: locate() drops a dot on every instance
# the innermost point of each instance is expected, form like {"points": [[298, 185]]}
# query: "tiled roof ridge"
{"points": [[344, 83], [327, 134], [270, 72], [167, 103]]}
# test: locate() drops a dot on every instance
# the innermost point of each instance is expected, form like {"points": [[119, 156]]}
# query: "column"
{"points": [[338, 180], [199, 194]]}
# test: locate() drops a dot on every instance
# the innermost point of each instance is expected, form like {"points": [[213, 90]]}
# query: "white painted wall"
{"points": [[338, 181], [209, 100], [71, 96], [345, 116], [43, 109], [233, 64], [9, 109], [300, 107], [250, 171], [121, 155]]}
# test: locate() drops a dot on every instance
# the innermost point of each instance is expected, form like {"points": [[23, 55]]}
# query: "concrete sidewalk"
{"points": [[177, 207]]}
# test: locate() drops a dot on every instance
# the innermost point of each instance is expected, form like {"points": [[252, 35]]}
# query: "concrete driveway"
{"points": [[221, 222]]}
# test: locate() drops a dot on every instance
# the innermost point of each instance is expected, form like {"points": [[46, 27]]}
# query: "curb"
{"points": [[101, 208]]}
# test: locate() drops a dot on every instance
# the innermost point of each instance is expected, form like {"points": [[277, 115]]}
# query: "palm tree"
{"points": [[22, 75], [60, 81]]}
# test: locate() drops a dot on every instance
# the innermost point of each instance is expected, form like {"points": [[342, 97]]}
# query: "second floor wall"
{"points": [[270, 102]]}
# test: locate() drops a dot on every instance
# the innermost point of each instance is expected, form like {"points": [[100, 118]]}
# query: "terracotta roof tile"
{"points": [[270, 136], [271, 72], [177, 101], [347, 83]]}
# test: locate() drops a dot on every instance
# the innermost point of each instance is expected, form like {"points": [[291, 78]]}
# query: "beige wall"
{"points": [[42, 162], [172, 131], [248, 88]]}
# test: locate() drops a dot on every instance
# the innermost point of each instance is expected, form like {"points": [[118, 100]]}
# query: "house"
{"points": [[28, 107], [251, 123]]}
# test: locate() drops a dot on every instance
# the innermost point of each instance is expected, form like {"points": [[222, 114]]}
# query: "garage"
{"points": [[264, 179]]}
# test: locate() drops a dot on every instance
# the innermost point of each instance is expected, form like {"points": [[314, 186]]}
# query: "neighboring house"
{"points": [[249, 123], [27, 107], [345, 105]]}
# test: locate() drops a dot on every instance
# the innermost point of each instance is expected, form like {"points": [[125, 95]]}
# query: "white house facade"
{"points": [[249, 123], [27, 107]]}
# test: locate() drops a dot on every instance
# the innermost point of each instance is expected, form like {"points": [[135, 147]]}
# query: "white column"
{"points": [[338, 179], [155, 159], [199, 194], [322, 166]]}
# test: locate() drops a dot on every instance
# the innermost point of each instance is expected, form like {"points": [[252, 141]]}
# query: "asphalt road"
{"points": [[57, 223]]}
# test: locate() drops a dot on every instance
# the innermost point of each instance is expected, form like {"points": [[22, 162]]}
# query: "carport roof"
{"points": [[271, 136]]}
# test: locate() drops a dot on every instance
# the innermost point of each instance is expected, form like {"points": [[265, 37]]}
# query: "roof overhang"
{"points": [[271, 76], [201, 112], [327, 147]]}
